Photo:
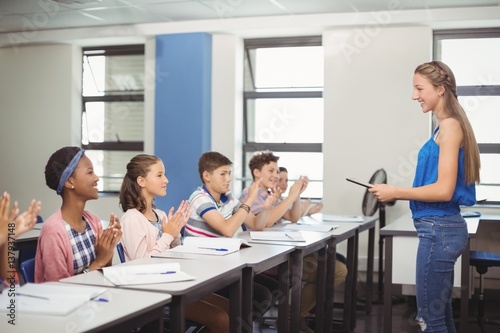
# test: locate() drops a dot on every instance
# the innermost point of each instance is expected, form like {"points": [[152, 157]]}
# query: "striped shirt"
{"points": [[258, 204], [202, 202]]}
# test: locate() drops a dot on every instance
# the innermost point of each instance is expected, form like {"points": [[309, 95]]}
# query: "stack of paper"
{"points": [[48, 299], [342, 218], [285, 236], [207, 245], [121, 275], [310, 227]]}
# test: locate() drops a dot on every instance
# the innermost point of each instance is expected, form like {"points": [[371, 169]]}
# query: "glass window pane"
{"points": [[111, 74], [289, 67], [291, 120], [110, 166], [300, 164], [484, 115], [113, 122], [474, 61], [490, 173]]}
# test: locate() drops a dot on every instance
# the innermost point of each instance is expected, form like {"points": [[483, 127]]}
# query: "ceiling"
{"points": [[35, 15]]}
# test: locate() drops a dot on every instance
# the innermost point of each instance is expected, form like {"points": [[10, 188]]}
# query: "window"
{"points": [[112, 110], [283, 106], [474, 57]]}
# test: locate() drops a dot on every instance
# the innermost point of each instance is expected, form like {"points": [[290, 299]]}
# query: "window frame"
{"points": [[474, 90], [252, 146], [122, 96]]}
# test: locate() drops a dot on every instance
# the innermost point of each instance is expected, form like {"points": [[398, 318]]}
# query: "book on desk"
{"points": [[122, 275], [47, 299], [283, 236], [215, 246]]}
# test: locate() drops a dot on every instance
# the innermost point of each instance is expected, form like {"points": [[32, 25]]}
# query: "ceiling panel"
{"points": [[17, 15]]}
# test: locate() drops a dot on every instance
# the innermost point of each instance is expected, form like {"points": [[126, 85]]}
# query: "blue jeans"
{"points": [[442, 240]]}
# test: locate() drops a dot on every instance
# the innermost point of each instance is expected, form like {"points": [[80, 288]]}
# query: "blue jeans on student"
{"points": [[442, 240]]}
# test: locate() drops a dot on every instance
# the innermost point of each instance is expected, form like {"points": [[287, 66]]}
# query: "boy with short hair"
{"points": [[264, 165]]}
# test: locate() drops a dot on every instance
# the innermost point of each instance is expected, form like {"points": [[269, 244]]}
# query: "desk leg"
{"points": [[283, 305], [464, 290], [177, 315], [297, 265], [369, 271], [321, 283], [388, 285], [234, 307], [247, 278], [350, 299], [329, 289]]}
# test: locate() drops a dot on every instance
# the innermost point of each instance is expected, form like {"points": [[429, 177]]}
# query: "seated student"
{"points": [[11, 227], [264, 165], [147, 230], [216, 213], [306, 207], [72, 240]]}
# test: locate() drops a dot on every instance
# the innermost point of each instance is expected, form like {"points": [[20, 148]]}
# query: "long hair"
{"points": [[439, 74], [130, 192]]}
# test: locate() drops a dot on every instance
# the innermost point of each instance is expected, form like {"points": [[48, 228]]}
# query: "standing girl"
{"points": [[147, 230], [447, 170], [72, 240]]}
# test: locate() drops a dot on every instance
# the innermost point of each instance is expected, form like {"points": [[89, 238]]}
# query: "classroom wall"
{"points": [[370, 120]]}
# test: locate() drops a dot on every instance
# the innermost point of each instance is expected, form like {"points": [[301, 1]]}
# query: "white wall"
{"points": [[40, 112]]}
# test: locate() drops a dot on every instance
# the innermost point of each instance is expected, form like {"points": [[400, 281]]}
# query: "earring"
{"points": [[72, 186]]}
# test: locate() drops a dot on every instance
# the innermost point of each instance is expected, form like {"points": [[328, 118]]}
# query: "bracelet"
{"points": [[245, 207], [86, 270]]}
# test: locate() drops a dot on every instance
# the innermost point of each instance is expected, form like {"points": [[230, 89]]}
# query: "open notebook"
{"points": [[48, 299], [219, 246], [284, 236], [122, 275]]}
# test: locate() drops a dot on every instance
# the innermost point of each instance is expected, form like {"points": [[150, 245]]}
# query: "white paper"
{"points": [[121, 275], [310, 227], [48, 299], [342, 218], [209, 246], [290, 236]]}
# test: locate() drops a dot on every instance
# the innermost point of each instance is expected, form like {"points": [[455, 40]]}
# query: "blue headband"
{"points": [[68, 171]]}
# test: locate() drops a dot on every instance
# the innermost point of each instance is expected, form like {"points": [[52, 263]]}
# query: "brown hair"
{"points": [[130, 192], [261, 158], [439, 74], [210, 161]]}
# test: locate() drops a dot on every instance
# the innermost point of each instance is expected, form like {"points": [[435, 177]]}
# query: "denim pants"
{"points": [[442, 240]]}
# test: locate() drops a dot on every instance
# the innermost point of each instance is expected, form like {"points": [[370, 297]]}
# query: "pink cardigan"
{"points": [[54, 256], [139, 235]]}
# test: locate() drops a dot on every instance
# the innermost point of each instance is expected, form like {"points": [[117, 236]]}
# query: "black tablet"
{"points": [[367, 185]]}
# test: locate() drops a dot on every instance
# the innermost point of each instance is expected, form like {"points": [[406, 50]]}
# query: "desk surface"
{"points": [[93, 316], [403, 226]]}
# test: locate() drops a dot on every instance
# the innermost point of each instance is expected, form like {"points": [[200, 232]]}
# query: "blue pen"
{"points": [[214, 248], [100, 300], [167, 272]]}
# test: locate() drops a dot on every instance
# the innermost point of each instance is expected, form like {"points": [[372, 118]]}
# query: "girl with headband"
{"points": [[72, 240]]}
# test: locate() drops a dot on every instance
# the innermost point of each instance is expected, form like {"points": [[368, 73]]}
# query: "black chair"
{"points": [[482, 261], [27, 269]]}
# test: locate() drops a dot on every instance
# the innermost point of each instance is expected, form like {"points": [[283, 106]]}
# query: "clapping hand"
{"points": [[177, 220]]}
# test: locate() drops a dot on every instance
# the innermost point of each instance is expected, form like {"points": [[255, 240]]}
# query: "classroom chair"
{"points": [[26, 254], [27, 269], [482, 261]]}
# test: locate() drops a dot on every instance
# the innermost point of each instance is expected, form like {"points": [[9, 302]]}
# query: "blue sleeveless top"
{"points": [[427, 173]]}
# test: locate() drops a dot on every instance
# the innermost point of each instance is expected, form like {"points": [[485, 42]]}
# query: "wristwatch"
{"points": [[86, 270]]}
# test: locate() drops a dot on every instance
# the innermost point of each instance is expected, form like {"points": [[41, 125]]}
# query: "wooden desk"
{"points": [[126, 310], [402, 231], [208, 280]]}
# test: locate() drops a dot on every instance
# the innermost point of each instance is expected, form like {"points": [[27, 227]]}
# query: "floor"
{"points": [[404, 310]]}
